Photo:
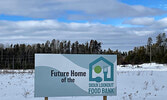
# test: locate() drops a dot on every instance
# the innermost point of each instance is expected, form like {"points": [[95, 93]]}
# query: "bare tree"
{"points": [[149, 44]]}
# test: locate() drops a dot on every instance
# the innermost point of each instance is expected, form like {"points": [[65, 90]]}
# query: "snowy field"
{"points": [[139, 82]]}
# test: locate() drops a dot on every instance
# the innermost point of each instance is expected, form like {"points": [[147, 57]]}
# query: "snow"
{"points": [[143, 67], [138, 82]]}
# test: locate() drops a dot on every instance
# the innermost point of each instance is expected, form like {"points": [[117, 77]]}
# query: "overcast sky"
{"points": [[118, 24]]}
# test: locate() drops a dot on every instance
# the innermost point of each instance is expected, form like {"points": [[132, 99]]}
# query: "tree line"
{"points": [[21, 56], [152, 52]]}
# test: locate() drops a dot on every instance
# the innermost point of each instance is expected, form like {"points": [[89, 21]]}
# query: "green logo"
{"points": [[97, 69]]}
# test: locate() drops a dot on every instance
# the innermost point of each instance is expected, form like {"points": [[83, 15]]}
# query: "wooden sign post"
{"points": [[104, 97], [46, 98]]}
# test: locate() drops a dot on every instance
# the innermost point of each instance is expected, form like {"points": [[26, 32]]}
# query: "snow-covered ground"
{"points": [[139, 82], [143, 67]]}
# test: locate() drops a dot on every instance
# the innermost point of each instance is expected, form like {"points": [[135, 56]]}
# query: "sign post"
{"points": [[104, 97], [46, 98], [59, 75]]}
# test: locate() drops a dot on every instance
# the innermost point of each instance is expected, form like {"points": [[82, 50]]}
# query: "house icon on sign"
{"points": [[102, 67]]}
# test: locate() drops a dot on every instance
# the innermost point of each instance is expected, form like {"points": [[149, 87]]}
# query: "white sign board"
{"points": [[75, 75]]}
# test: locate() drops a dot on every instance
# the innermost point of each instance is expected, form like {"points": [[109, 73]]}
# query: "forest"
{"points": [[21, 56]]}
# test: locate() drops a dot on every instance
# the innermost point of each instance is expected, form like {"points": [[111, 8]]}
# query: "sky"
{"points": [[118, 24]]}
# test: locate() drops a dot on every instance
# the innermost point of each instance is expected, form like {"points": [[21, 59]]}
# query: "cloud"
{"points": [[161, 23], [140, 21], [149, 23], [114, 37], [75, 9]]}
